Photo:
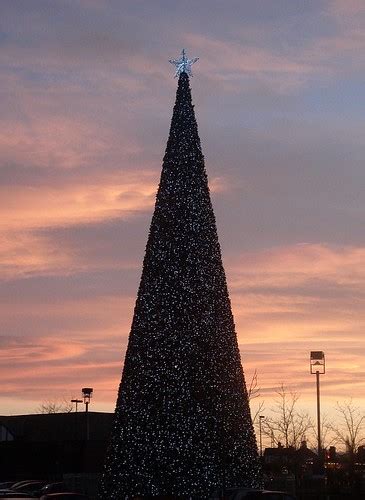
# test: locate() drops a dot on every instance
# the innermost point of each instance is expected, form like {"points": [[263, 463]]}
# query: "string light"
{"points": [[182, 421]]}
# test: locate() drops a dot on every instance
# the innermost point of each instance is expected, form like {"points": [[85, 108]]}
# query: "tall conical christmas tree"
{"points": [[182, 422]]}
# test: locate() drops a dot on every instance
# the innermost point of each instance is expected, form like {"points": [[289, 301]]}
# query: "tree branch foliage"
{"points": [[287, 425], [253, 392], [350, 429], [55, 406]]}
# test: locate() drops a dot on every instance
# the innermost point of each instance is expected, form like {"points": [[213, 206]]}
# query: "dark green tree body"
{"points": [[182, 423]]}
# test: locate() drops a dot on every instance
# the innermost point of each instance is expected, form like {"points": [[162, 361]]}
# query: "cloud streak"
{"points": [[289, 301], [86, 103]]}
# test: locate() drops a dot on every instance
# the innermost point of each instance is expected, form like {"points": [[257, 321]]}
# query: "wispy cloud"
{"points": [[67, 205], [67, 354], [239, 62], [86, 102], [300, 264], [288, 301], [348, 8]]}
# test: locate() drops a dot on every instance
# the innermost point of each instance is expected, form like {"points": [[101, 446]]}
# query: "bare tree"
{"points": [[350, 429], [326, 433], [253, 392], [55, 406], [287, 424]]}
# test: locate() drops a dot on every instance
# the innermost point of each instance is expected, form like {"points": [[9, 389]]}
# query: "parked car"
{"points": [[54, 488], [64, 496], [7, 494], [33, 488], [19, 484], [262, 494], [252, 494], [10, 493], [7, 484]]}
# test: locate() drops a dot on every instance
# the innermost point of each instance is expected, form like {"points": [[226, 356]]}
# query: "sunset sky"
{"points": [[86, 101]]}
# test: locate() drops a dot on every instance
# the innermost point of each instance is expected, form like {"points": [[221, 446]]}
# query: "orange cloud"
{"points": [[88, 347], [23, 252], [289, 301], [276, 328], [26, 210], [299, 264], [30, 207]]}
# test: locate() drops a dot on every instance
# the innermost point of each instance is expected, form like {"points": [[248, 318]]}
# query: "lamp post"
{"points": [[76, 419], [318, 367], [261, 418], [87, 393], [76, 401]]}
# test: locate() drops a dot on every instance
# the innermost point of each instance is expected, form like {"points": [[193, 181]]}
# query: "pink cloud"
{"points": [[238, 60], [298, 264], [346, 7], [26, 209], [277, 327], [23, 253], [63, 142], [92, 200], [288, 301], [89, 349]]}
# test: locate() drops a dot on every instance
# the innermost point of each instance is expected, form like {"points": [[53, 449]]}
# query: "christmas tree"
{"points": [[182, 422]]}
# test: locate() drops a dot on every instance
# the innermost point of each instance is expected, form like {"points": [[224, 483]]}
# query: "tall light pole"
{"points": [[87, 393], [318, 367], [261, 418]]}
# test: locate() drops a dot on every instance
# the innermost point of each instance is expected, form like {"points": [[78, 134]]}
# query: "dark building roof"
{"points": [[50, 445], [289, 454], [58, 426]]}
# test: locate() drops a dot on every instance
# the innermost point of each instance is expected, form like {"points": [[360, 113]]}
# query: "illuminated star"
{"points": [[183, 64]]}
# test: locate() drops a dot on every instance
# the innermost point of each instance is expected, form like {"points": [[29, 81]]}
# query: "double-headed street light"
{"points": [[318, 367], [76, 401]]}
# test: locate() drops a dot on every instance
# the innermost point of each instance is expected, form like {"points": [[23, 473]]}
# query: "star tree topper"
{"points": [[183, 64]]}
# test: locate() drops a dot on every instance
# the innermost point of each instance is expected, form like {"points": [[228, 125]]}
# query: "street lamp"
{"points": [[87, 393], [261, 418], [318, 367]]}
